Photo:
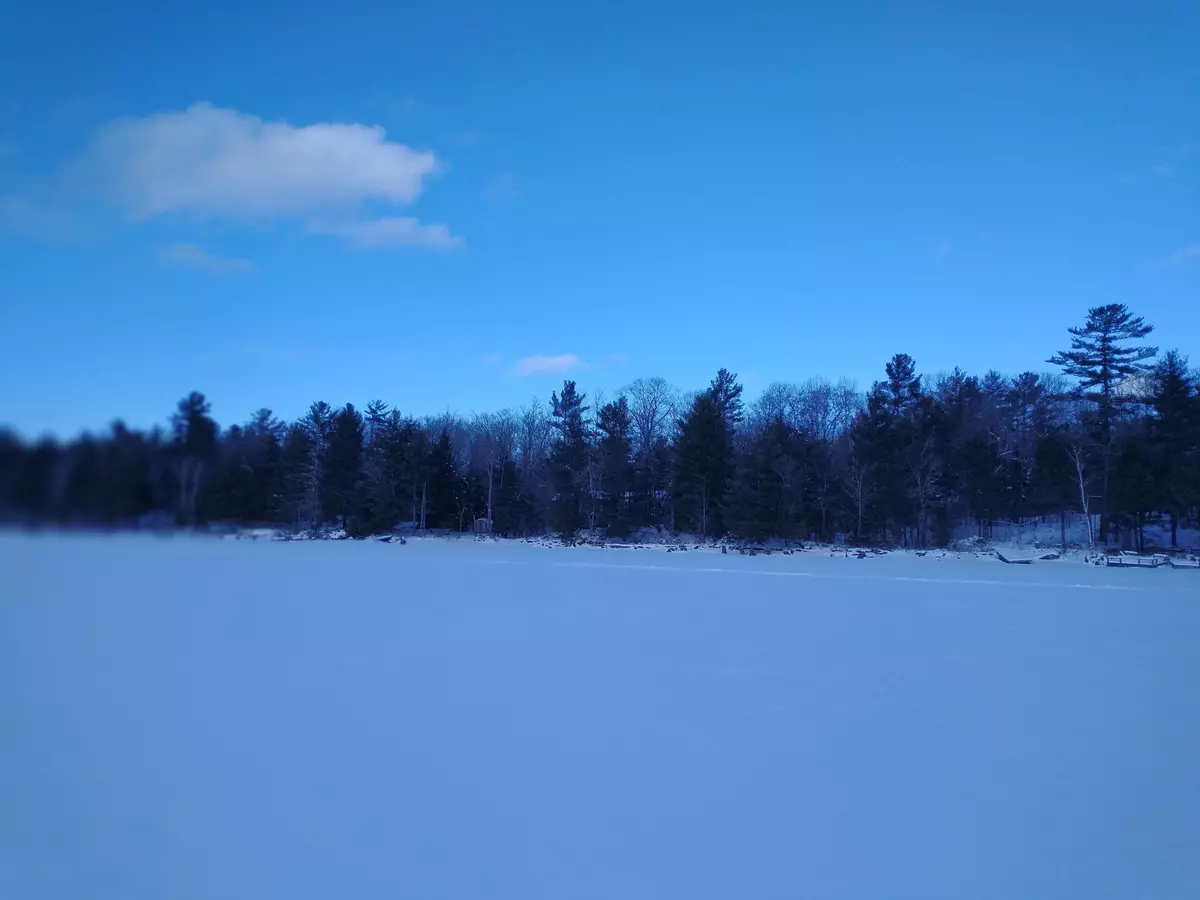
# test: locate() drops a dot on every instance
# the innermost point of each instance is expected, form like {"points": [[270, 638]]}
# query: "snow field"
{"points": [[197, 718]]}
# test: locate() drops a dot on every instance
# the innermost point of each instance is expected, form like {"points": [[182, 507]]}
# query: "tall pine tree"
{"points": [[616, 470], [1104, 360], [569, 461]]}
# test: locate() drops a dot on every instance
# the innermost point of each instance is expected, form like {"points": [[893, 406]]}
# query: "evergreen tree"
{"points": [[308, 474], [704, 459], [248, 486], [298, 457], [1134, 493], [342, 474], [393, 467], [569, 461], [1103, 360], [767, 494], [1052, 484], [902, 390], [1175, 439], [195, 449], [616, 470], [444, 480], [727, 394]]}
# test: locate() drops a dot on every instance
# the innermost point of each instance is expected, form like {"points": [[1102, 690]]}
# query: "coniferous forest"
{"points": [[1111, 429]]}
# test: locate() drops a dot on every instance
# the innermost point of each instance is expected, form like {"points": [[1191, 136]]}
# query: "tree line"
{"points": [[1114, 434]]}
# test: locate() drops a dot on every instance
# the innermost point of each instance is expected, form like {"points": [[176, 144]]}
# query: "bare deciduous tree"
{"points": [[493, 441], [654, 404], [533, 437]]}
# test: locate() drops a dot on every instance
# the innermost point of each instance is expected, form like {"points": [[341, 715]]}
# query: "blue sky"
{"points": [[200, 198]]}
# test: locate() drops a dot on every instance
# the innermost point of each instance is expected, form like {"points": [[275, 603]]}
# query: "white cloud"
{"points": [[389, 231], [538, 365], [197, 257], [1186, 254], [219, 163]]}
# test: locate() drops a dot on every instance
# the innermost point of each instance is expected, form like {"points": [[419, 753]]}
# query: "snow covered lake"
{"points": [[234, 720]]}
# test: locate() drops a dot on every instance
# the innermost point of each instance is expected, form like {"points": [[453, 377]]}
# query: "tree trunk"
{"points": [[1076, 454], [489, 492], [195, 491], [1105, 526]]}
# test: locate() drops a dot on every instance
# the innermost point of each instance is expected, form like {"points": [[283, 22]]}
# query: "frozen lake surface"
{"points": [[234, 720]]}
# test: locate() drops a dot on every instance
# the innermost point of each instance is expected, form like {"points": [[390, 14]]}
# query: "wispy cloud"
{"points": [[492, 359], [1185, 254], [389, 231], [214, 163], [542, 365], [196, 257], [942, 252]]}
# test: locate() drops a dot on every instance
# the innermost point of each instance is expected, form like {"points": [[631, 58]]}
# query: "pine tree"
{"points": [[310, 473], [1052, 483], [1102, 360], [195, 449], [704, 458], [727, 394], [1134, 493], [393, 461], [444, 486], [616, 470], [1175, 438], [902, 390], [298, 457], [264, 435], [569, 461], [342, 476], [767, 493]]}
